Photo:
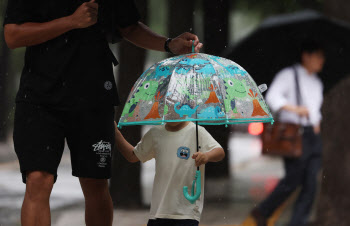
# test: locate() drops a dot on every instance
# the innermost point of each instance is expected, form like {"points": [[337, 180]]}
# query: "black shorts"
{"points": [[172, 222], [40, 133]]}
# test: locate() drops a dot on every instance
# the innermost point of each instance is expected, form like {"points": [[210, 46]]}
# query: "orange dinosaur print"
{"points": [[154, 113], [192, 56], [258, 110], [212, 97]]}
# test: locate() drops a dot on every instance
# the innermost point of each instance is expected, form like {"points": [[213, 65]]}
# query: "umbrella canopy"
{"points": [[275, 45], [195, 87]]}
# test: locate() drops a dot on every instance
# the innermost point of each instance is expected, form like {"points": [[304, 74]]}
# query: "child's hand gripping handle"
{"points": [[193, 197]]}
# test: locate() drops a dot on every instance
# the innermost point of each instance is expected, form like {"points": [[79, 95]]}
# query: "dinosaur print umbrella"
{"points": [[195, 87]]}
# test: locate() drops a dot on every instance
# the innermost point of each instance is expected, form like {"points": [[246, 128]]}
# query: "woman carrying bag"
{"points": [[296, 95]]}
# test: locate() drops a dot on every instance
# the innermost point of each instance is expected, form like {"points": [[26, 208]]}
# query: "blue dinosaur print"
{"points": [[215, 58], [211, 112], [235, 70], [162, 71], [194, 61], [185, 110], [183, 152], [206, 70], [182, 70]]}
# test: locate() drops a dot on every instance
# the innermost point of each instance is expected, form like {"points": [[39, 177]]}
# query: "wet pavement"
{"points": [[227, 201]]}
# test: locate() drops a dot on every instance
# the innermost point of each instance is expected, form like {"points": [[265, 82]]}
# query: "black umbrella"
{"points": [[275, 45]]}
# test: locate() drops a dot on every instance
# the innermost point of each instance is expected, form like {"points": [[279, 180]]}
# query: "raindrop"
{"points": [[25, 96], [191, 29], [30, 70], [220, 29], [47, 48], [66, 40], [48, 147]]}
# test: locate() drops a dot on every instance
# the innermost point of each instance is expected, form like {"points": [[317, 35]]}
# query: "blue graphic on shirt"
{"points": [[183, 152]]}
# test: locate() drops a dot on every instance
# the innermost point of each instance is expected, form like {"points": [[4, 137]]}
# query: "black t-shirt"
{"points": [[74, 70]]}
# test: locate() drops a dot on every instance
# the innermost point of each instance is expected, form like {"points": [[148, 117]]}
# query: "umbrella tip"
{"points": [[262, 87]]}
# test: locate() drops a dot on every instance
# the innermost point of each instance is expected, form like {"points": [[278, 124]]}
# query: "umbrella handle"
{"points": [[192, 46], [197, 181]]}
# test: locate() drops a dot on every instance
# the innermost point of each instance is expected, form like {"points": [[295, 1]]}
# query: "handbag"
{"points": [[284, 139]]}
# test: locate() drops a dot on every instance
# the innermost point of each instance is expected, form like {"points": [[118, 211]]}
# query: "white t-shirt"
{"points": [[283, 91], [175, 168]]}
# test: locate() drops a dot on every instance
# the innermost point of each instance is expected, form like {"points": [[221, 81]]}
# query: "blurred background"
{"points": [[234, 186]]}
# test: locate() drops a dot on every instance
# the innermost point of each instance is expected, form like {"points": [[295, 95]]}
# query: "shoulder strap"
{"points": [[297, 86], [297, 89]]}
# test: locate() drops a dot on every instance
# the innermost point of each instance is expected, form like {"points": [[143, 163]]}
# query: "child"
{"points": [[172, 145]]}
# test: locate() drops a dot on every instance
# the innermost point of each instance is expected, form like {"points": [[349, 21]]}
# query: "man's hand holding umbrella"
{"points": [[182, 44]]}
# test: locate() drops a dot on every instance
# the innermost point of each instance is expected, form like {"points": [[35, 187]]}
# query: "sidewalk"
{"points": [[227, 201]]}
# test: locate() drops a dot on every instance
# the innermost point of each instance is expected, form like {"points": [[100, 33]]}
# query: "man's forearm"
{"points": [[29, 34], [140, 35]]}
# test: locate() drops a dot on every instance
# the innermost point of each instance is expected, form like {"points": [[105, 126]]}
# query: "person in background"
{"points": [[173, 146], [68, 92], [302, 171]]}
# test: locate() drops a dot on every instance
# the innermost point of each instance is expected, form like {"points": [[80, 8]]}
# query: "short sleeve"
{"points": [[144, 150], [206, 141], [127, 13], [18, 12]]}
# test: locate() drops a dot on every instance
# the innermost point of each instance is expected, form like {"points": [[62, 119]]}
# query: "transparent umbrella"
{"points": [[205, 89]]}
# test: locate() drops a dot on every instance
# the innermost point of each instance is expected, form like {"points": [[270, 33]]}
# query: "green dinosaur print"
{"points": [[234, 89], [145, 92]]}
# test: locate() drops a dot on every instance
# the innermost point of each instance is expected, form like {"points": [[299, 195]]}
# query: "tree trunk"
{"points": [[125, 184], [334, 204], [180, 17], [216, 33], [4, 62]]}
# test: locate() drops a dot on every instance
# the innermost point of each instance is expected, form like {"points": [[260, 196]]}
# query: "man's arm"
{"points": [[215, 155], [29, 34], [125, 148], [142, 36]]}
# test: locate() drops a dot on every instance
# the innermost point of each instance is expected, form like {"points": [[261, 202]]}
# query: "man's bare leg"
{"points": [[36, 206], [98, 202]]}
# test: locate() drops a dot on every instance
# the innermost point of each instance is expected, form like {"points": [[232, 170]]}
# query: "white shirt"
{"points": [[283, 92], [175, 168]]}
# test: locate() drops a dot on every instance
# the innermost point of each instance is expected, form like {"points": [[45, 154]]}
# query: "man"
{"points": [[67, 91], [301, 171]]}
